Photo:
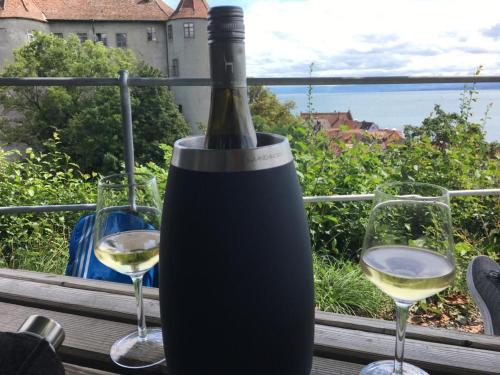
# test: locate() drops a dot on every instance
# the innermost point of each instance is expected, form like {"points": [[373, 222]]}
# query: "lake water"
{"points": [[394, 109]]}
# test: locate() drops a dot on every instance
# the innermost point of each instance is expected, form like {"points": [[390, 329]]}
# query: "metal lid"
{"points": [[273, 151], [226, 22], [44, 328]]}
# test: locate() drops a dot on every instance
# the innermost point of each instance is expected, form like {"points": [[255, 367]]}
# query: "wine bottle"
{"points": [[230, 123]]}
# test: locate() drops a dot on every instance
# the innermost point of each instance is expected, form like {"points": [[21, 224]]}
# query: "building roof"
{"points": [[191, 9], [21, 9], [346, 136], [367, 125], [388, 135], [333, 120], [105, 10]]}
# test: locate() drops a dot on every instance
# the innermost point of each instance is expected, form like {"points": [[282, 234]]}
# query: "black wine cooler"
{"points": [[236, 283]]}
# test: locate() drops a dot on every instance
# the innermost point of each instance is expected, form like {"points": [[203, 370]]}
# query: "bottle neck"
{"points": [[227, 64]]}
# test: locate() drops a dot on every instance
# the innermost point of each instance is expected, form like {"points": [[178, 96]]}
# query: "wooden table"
{"points": [[94, 314]]}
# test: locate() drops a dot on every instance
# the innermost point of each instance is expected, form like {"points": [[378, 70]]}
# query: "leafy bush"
{"points": [[39, 241], [465, 163], [88, 119]]}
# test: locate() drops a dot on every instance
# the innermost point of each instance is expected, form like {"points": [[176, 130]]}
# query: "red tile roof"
{"points": [[334, 119], [388, 136], [191, 9], [21, 9], [347, 136], [105, 10]]}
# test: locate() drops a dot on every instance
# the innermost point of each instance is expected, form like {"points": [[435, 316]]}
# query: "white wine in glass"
{"points": [[131, 252], [407, 274], [408, 253]]}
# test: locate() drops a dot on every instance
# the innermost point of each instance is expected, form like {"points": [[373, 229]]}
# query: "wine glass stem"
{"points": [[141, 320], [401, 317]]}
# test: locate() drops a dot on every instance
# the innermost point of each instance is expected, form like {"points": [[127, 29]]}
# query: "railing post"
{"points": [[128, 134]]}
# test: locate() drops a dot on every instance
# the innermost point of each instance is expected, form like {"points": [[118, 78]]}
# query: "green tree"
{"points": [[87, 119], [268, 113]]}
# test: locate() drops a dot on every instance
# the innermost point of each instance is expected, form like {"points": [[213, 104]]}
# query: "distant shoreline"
{"points": [[385, 88], [391, 108]]}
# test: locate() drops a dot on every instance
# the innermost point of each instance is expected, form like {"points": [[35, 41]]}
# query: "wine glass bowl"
{"points": [[408, 253], [127, 240]]}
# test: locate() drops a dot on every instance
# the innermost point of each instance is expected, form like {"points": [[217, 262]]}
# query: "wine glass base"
{"points": [[133, 351], [387, 368]]}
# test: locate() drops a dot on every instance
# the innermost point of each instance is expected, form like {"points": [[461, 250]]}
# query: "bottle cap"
{"points": [[226, 23], [44, 328]]}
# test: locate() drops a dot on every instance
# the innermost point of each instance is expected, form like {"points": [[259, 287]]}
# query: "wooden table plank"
{"points": [[344, 343], [81, 301], [440, 335], [78, 370], [321, 366], [326, 366], [76, 282], [103, 302], [88, 341], [344, 337]]}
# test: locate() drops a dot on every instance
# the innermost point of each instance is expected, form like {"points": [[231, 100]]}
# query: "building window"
{"points": [[179, 107], [175, 68], [170, 33], [30, 37], [2, 3], [121, 40], [189, 30], [82, 36], [102, 37], [152, 34], [59, 35]]}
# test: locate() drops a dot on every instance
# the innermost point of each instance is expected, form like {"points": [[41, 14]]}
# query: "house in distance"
{"points": [[342, 126]]}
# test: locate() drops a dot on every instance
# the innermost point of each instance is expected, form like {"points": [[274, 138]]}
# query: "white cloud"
{"points": [[367, 37]]}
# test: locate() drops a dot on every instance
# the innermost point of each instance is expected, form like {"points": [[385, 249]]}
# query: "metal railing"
{"points": [[124, 82]]}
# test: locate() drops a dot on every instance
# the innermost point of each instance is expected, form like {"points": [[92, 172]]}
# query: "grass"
{"points": [[342, 288], [43, 252]]}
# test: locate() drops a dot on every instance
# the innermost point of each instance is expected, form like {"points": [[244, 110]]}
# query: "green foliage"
{"points": [[268, 113], [88, 119], [39, 241], [327, 167], [342, 288]]}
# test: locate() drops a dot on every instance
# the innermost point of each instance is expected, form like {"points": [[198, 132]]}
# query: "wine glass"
{"points": [[127, 239], [408, 254]]}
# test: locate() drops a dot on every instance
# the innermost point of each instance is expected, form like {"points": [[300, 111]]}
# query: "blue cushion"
{"points": [[82, 260]]}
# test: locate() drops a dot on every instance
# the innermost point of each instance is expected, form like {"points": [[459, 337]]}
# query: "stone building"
{"points": [[188, 57], [175, 42]]}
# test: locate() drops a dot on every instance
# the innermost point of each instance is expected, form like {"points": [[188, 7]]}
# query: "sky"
{"points": [[370, 37]]}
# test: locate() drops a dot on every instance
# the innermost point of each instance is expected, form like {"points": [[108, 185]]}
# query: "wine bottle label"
{"points": [[228, 64]]}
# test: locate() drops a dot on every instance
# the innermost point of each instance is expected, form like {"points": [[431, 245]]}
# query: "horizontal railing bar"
{"points": [[315, 199], [170, 82], [322, 81], [339, 198], [278, 81], [463, 193], [367, 197], [59, 81], [47, 208]]}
